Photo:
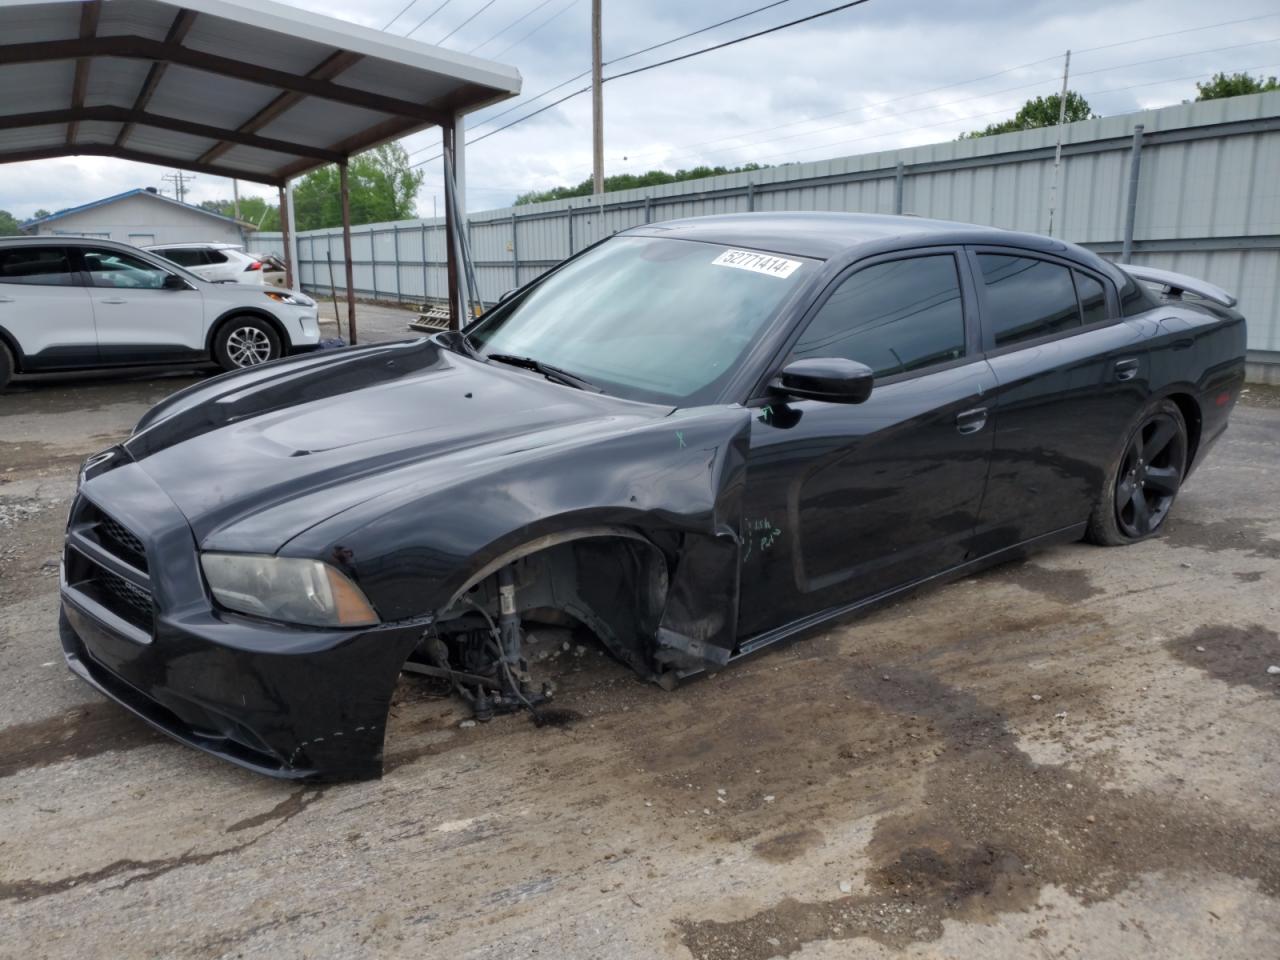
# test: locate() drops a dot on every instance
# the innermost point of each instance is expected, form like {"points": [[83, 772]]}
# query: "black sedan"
{"points": [[694, 439]]}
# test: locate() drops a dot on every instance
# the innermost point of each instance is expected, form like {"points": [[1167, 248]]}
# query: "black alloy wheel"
{"points": [[1150, 474]]}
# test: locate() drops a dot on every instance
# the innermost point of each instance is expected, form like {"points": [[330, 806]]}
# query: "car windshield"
{"points": [[654, 319]]}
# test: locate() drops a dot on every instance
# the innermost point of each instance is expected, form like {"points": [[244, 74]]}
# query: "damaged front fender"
{"points": [[675, 483]]}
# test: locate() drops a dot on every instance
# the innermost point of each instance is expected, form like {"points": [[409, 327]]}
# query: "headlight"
{"points": [[285, 296], [286, 588]]}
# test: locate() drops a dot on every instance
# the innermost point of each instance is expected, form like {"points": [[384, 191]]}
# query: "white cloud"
{"points": [[743, 103]]}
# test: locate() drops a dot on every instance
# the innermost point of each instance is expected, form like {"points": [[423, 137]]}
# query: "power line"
{"points": [[694, 33], [423, 21], [662, 63], [399, 15], [625, 56], [582, 90], [951, 103], [1175, 33], [465, 22], [555, 16], [524, 16], [1002, 110], [989, 76], [737, 40]]}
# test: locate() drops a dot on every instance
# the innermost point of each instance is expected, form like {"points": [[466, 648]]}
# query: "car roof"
{"points": [[826, 236], [192, 246], [67, 241]]}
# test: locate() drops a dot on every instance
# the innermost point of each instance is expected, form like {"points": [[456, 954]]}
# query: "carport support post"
{"points": [[284, 235], [345, 191], [448, 135], [1131, 206]]}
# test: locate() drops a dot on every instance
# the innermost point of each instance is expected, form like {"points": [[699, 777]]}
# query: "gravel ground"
{"points": [[1076, 756]]}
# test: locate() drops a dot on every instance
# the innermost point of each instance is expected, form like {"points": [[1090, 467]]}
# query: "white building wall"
{"points": [[143, 220]]}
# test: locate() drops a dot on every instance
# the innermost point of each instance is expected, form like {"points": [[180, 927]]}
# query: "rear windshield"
{"points": [[655, 319]]}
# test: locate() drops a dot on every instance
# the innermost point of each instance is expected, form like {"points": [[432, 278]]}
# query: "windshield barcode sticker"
{"points": [[757, 263]]}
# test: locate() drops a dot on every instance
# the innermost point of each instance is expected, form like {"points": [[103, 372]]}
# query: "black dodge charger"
{"points": [[693, 439]]}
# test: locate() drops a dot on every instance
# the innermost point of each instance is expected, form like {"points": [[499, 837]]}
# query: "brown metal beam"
{"points": [[284, 233], [90, 12], [141, 48], [344, 189], [178, 31], [141, 118], [327, 69], [141, 156]]}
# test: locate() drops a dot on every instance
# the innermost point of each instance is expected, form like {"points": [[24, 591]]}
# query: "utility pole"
{"points": [[235, 193], [1057, 153], [179, 181], [597, 100]]}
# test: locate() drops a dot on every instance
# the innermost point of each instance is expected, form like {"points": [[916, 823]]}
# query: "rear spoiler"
{"points": [[1175, 284]]}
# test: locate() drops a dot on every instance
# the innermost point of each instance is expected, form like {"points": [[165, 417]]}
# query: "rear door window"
{"points": [[37, 266], [896, 317], [1026, 298]]}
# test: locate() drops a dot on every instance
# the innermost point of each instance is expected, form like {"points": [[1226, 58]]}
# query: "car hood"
{"points": [[254, 458], [241, 290]]}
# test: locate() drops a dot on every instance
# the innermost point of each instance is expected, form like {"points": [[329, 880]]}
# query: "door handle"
{"points": [[114, 300], [1127, 368], [971, 421]]}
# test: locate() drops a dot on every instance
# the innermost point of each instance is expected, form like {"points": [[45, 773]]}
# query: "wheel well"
{"points": [[16, 354], [226, 318], [611, 580], [1191, 414]]}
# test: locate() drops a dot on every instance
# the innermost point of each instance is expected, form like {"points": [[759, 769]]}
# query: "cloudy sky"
{"points": [[886, 74]]}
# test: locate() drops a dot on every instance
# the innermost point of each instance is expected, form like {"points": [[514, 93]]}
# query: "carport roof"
{"points": [[258, 91]]}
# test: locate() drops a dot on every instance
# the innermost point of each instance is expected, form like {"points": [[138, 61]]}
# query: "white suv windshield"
{"points": [[654, 319]]}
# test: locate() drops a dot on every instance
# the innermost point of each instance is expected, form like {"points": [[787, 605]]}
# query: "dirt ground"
{"points": [[1075, 757]]}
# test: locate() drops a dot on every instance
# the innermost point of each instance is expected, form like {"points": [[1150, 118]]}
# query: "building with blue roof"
{"points": [[141, 217]]}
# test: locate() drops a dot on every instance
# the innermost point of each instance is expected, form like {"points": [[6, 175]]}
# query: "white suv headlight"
{"points": [[286, 296], [290, 589]]}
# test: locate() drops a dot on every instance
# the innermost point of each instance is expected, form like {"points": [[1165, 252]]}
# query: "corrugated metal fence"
{"points": [[1208, 204]]}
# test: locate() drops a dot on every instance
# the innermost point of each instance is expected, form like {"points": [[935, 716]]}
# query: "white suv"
{"points": [[218, 262], [68, 303]]}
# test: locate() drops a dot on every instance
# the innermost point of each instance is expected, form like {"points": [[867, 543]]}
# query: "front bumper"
{"points": [[289, 702]]}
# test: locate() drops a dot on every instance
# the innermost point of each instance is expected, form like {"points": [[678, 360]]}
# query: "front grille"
{"points": [[126, 599], [119, 540], [120, 584]]}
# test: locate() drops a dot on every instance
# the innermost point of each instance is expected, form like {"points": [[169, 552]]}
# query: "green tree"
{"points": [[383, 187], [1039, 112], [8, 224], [1234, 85], [630, 181], [255, 210], [39, 214]]}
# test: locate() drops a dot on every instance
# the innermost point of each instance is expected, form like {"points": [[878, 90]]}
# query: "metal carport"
{"points": [[255, 91]]}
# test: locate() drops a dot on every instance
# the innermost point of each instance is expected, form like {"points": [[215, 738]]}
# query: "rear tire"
{"points": [[1143, 480], [245, 342], [6, 366]]}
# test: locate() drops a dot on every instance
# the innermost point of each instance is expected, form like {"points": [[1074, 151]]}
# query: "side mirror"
{"points": [[174, 282], [833, 379]]}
